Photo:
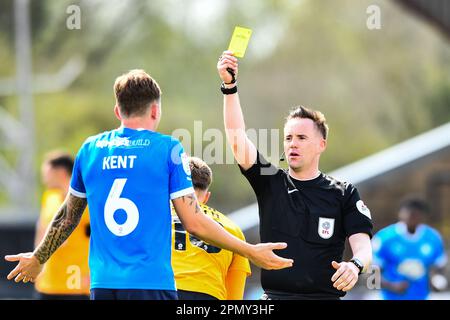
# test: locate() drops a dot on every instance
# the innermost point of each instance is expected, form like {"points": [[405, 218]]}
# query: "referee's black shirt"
{"points": [[314, 218]]}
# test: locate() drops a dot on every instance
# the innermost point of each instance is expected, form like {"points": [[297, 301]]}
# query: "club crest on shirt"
{"points": [[185, 161], [363, 209], [326, 228]]}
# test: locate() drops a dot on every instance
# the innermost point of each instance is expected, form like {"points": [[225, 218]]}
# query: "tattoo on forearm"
{"points": [[192, 199], [61, 227]]}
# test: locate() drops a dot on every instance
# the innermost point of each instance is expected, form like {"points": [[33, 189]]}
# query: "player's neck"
{"points": [[139, 123], [411, 230], [304, 174]]}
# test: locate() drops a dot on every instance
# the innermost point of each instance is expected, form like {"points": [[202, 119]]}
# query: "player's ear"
{"points": [[207, 195], [117, 112], [155, 110]]}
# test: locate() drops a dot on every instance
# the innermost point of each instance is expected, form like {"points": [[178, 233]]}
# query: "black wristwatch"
{"points": [[358, 264], [228, 90]]}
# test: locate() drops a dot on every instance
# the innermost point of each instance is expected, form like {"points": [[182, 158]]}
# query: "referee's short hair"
{"points": [[60, 159], [415, 203], [316, 116], [201, 173], [135, 91]]}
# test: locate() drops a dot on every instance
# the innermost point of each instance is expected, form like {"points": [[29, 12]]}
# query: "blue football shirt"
{"points": [[408, 257], [128, 177]]}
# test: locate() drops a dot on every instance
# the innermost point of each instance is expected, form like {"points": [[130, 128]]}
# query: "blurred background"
{"points": [[385, 93]]}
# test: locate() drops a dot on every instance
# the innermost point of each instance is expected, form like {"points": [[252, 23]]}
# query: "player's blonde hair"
{"points": [[201, 173]]}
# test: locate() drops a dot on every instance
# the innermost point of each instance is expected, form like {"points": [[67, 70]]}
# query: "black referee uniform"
{"points": [[314, 218]]}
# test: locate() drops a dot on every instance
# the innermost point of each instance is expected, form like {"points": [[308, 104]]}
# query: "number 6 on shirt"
{"points": [[114, 203]]}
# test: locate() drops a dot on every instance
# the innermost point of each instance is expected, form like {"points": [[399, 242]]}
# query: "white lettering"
{"points": [[188, 310], [113, 161], [122, 162], [131, 158], [106, 163], [118, 162]]}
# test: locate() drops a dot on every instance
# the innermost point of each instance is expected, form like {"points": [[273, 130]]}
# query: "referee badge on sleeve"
{"points": [[362, 208], [326, 228]]}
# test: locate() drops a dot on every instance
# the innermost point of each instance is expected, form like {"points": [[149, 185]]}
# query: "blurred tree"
{"points": [[376, 87]]}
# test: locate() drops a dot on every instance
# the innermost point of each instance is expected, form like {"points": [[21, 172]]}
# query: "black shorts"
{"points": [[44, 296], [191, 295], [132, 294]]}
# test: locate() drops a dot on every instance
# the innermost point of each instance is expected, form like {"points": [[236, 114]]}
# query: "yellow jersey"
{"points": [[67, 271], [199, 266]]}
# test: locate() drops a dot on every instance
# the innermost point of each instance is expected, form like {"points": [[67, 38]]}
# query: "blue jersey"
{"points": [[408, 257], [128, 177]]}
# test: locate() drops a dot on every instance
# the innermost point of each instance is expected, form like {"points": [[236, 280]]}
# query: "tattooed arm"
{"points": [[65, 221], [205, 228], [62, 225]]}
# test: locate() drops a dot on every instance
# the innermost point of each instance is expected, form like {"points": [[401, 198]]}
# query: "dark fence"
{"points": [[14, 238]]}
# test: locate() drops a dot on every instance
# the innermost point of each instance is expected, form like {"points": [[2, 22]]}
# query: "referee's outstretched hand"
{"points": [[346, 275], [262, 255]]}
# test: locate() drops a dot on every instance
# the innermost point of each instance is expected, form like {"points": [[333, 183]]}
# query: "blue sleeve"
{"points": [[180, 182], [77, 187], [439, 255]]}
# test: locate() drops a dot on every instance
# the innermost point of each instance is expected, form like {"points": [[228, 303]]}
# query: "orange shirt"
{"points": [[67, 271]]}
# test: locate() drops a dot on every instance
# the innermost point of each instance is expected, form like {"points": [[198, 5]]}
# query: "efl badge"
{"points": [[363, 209], [326, 228]]}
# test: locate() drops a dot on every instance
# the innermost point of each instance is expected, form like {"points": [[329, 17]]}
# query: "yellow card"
{"points": [[239, 41]]}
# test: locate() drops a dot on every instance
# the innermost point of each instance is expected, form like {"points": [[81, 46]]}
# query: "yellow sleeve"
{"points": [[237, 273], [239, 262], [235, 284], [51, 202]]}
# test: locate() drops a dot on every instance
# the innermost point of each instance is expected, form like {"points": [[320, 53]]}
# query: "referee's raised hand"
{"points": [[226, 63], [263, 256]]}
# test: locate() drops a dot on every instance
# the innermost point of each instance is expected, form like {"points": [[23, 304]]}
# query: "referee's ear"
{"points": [[323, 145]]}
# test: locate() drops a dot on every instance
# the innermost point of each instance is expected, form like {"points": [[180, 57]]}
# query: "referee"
{"points": [[309, 210]]}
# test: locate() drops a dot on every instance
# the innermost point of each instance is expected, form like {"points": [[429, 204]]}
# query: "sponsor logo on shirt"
{"points": [[412, 269], [122, 143]]}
